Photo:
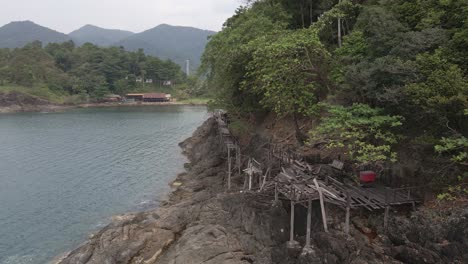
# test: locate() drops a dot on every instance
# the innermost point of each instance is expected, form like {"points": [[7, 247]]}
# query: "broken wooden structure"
{"points": [[230, 146], [290, 178]]}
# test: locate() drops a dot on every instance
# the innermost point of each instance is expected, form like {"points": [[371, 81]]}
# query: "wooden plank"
{"points": [[322, 206], [291, 234], [348, 208], [309, 222], [337, 164]]}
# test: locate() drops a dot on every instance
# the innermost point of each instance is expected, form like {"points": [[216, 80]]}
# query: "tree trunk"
{"points": [[339, 31], [302, 14], [311, 13]]}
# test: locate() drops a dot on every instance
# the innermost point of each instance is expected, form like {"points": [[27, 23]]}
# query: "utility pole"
{"points": [[187, 67]]}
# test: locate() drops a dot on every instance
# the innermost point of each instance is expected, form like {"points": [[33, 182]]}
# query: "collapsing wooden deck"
{"points": [[286, 175]]}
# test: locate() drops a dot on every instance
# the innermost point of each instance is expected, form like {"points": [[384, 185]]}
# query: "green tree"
{"points": [[290, 74], [228, 53], [441, 91], [366, 133]]}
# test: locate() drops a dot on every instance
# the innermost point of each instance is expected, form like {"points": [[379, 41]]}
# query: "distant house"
{"points": [[148, 97], [139, 79], [112, 98], [149, 80]]}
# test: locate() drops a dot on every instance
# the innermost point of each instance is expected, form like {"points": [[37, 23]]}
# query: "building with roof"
{"points": [[148, 97], [112, 98]]}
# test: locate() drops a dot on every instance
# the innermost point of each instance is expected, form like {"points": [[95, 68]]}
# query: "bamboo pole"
{"points": [[291, 234], [348, 209], [238, 158], [229, 168], [276, 192], [322, 206], [309, 222]]}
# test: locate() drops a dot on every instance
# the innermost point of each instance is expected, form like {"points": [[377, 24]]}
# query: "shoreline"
{"points": [[124, 221], [199, 222], [54, 108]]}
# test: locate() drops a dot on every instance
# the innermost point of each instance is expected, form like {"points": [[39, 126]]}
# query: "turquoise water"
{"points": [[63, 175]]}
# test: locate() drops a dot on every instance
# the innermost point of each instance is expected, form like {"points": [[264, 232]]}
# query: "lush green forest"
{"points": [[82, 73], [378, 74]]}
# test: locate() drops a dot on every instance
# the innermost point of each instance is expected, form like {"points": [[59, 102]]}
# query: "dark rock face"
{"points": [[201, 223], [18, 102], [431, 236], [9, 99]]}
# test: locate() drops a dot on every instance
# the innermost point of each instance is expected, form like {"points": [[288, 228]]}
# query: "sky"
{"points": [[133, 15]]}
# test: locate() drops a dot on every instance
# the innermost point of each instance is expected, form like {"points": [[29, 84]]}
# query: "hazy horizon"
{"points": [[67, 16]]}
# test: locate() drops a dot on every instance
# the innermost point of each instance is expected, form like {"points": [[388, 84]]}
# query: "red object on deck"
{"points": [[367, 176]]}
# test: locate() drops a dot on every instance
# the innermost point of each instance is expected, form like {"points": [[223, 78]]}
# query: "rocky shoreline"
{"points": [[198, 223], [201, 223], [18, 102]]}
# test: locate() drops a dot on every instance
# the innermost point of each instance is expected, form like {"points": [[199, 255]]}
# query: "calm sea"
{"points": [[63, 175]]}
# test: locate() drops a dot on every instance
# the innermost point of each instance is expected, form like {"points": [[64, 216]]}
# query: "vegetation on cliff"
{"points": [[391, 72]]}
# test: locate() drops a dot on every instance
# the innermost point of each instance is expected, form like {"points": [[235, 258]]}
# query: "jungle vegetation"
{"points": [[378, 74]]}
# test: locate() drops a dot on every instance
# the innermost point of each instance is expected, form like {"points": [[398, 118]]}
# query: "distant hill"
{"points": [[164, 41], [18, 34], [98, 36], [170, 42]]}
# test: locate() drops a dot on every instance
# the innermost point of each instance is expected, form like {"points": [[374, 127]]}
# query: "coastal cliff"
{"points": [[202, 223]]}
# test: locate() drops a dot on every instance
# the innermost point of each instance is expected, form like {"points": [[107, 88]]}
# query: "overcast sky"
{"points": [[134, 15]]}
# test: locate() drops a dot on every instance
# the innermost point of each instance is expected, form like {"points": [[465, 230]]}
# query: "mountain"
{"points": [[164, 41], [170, 42], [20, 33], [99, 36]]}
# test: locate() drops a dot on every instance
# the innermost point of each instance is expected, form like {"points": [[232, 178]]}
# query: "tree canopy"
{"points": [[402, 60], [88, 70]]}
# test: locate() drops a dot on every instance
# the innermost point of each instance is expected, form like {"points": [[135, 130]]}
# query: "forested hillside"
{"points": [[17, 34], [170, 42], [85, 72], [98, 36], [378, 75]]}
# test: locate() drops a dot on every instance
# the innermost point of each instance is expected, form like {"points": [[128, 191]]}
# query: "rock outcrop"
{"points": [[201, 223], [18, 102]]}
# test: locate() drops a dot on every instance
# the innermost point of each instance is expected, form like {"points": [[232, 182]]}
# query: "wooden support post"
{"points": [[229, 168], [387, 210], [309, 222], [260, 176], [291, 234], [238, 159], [245, 182], [265, 179], [322, 206], [276, 192], [250, 181], [348, 209]]}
